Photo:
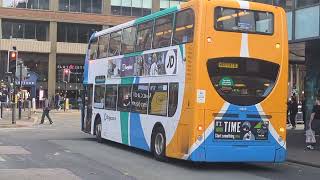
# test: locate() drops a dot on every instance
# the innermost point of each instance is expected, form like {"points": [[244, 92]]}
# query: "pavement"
{"points": [[28, 119], [297, 151]]}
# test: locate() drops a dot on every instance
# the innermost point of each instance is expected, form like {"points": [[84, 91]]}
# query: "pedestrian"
{"points": [[314, 122], [293, 111], [46, 110], [304, 112]]}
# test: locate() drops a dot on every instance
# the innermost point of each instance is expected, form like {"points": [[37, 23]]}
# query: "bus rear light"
{"points": [[209, 40], [277, 45], [200, 128]]}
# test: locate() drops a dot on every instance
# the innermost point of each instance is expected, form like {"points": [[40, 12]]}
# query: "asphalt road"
{"points": [[61, 151]]}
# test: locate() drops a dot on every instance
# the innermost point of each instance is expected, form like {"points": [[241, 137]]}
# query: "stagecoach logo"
{"points": [[109, 118], [171, 62]]}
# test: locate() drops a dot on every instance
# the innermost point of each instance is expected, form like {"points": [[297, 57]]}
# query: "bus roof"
{"points": [[138, 21]]}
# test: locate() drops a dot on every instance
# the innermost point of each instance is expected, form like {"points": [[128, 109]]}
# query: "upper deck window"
{"points": [[244, 21]]}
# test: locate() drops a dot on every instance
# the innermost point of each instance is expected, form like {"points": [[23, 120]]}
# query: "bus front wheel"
{"points": [[159, 144], [98, 130]]}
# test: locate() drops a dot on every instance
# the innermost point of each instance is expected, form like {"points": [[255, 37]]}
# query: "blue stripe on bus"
{"points": [[137, 138], [239, 151]]}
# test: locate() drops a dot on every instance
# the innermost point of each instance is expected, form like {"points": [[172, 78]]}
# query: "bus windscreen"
{"points": [[244, 21]]}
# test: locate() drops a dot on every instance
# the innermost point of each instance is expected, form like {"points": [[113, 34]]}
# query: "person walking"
{"points": [[314, 122], [293, 111], [46, 111]]}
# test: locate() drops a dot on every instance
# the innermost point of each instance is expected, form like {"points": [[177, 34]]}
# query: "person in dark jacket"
{"points": [[46, 111], [293, 111]]}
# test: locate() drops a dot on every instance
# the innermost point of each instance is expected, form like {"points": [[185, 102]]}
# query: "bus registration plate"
{"points": [[241, 130]]}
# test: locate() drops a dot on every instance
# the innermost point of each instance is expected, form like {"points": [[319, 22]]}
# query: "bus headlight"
{"points": [[278, 45]]}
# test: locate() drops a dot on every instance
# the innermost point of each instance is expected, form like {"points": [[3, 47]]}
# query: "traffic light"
{"points": [[66, 75], [12, 61]]}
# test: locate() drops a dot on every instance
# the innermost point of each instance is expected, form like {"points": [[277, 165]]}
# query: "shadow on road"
{"points": [[249, 167]]}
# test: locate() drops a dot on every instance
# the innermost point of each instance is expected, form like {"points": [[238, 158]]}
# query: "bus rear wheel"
{"points": [[159, 144], [98, 130]]}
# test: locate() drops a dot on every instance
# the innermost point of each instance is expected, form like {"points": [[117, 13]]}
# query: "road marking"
{"points": [[1, 159], [13, 150], [38, 174]]}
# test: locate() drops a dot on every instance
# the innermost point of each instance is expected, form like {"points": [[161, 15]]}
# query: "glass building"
{"points": [[51, 35]]}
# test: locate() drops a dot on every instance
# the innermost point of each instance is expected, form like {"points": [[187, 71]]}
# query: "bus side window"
{"points": [[184, 28], [103, 46], [140, 98], [128, 40], [111, 97], [158, 101], [144, 36], [114, 44], [124, 98], [173, 98], [163, 31], [94, 49], [99, 96]]}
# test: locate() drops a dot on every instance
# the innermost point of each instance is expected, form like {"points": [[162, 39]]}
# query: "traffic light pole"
{"points": [[14, 100], [65, 96], [20, 101]]}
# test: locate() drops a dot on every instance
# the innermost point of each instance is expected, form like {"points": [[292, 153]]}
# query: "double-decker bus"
{"points": [[204, 81]]}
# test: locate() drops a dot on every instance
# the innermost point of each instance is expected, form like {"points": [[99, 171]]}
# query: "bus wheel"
{"points": [[159, 144], [98, 129]]}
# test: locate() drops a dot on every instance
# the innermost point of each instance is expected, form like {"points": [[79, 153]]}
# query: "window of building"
{"points": [[158, 102], [18, 30], [96, 6], [173, 98], [25, 30], [103, 46], [140, 98], [131, 7], [99, 92], [85, 6], [29, 4], [115, 43], [75, 6], [164, 4], [163, 31], [111, 97], [136, 7], [30, 31], [76, 33], [124, 98], [184, 27], [144, 36], [303, 3], [128, 40]]}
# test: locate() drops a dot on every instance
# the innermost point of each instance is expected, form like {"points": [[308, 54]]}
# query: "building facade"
{"points": [[51, 35]]}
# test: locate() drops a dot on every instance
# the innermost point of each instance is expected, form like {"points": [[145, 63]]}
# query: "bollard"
{"points": [[67, 103], [33, 104], [1, 109], [29, 109], [20, 108]]}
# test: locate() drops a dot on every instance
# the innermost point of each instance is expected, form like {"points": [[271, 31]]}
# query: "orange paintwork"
{"points": [[226, 44]]}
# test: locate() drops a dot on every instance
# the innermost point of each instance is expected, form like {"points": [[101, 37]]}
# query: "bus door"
{"points": [[86, 117]]}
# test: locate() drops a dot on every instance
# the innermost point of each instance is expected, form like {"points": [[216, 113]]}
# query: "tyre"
{"points": [[159, 144], [98, 129]]}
